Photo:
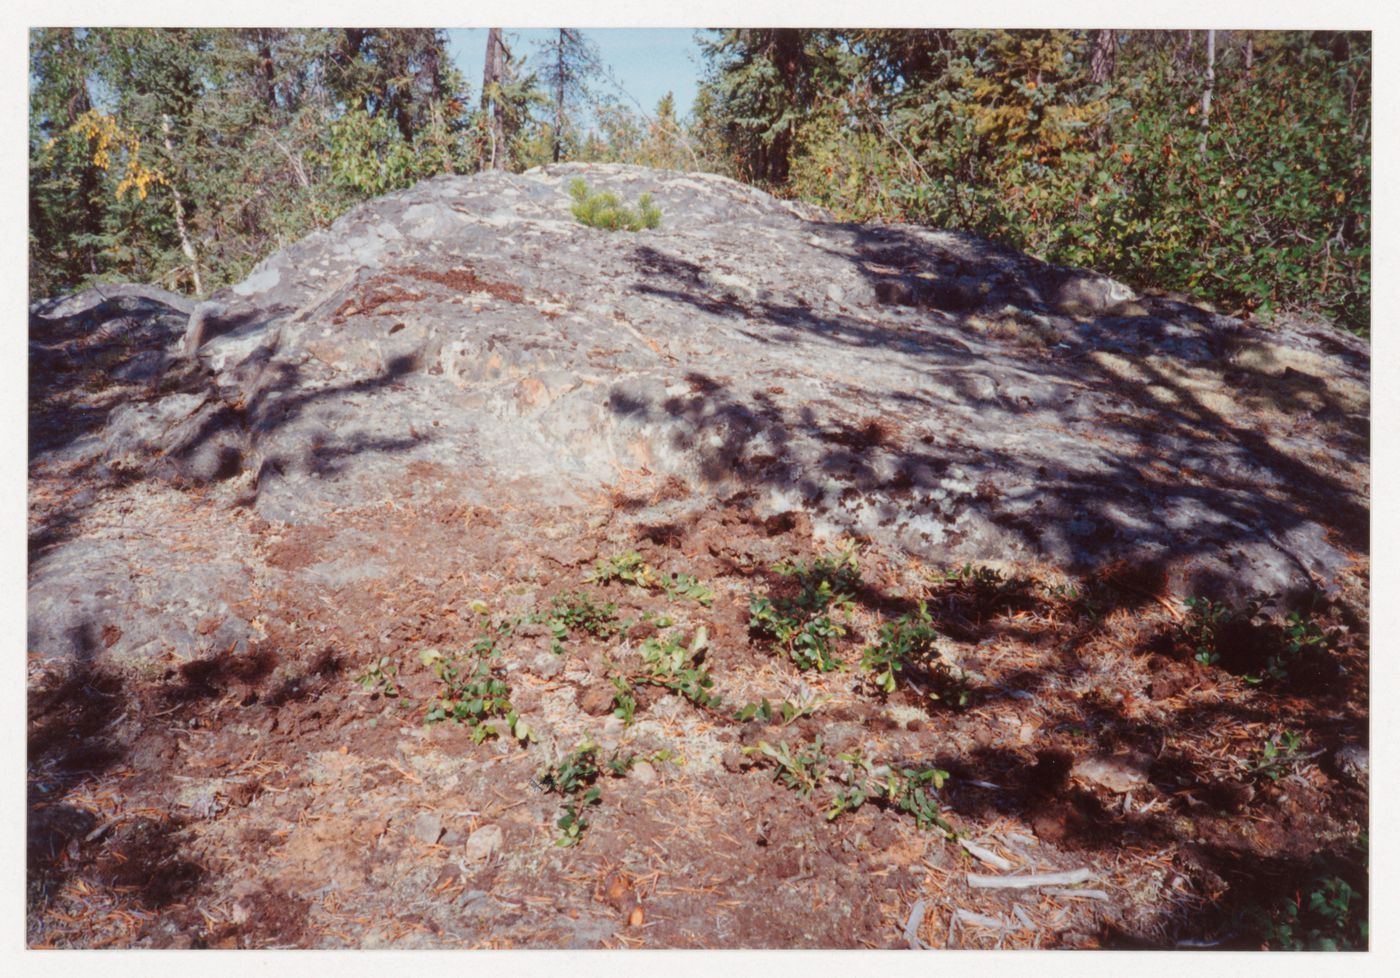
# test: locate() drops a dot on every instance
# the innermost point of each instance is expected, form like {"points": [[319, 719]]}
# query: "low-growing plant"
{"points": [[907, 643], [577, 612], [627, 567], [381, 677], [785, 712], [1279, 756], [474, 693], [624, 700], [675, 666], [1303, 639], [975, 576], [1327, 914], [799, 768], [804, 769], [630, 568], [902, 789], [1204, 619], [604, 210], [800, 625], [574, 777]]}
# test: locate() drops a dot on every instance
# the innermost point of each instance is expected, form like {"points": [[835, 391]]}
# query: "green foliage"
{"points": [[676, 667], [786, 711], [574, 777], [313, 120], [1007, 134], [800, 624], [908, 642], [474, 693], [1204, 619], [579, 612], [381, 677], [624, 700], [1279, 756], [1326, 914], [1293, 643], [1303, 639], [899, 788], [605, 211], [630, 568], [805, 768], [800, 769]]}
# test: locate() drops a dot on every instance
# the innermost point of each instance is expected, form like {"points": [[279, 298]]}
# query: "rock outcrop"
{"points": [[922, 389]]}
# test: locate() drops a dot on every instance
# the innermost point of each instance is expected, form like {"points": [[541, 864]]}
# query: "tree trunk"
{"points": [[493, 79], [186, 245], [1104, 57], [786, 51], [559, 97], [1210, 88]]}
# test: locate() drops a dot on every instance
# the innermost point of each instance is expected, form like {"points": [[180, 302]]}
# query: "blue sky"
{"points": [[647, 62]]}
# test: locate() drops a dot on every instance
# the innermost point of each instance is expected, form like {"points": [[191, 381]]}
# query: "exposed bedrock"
{"points": [[919, 388]]}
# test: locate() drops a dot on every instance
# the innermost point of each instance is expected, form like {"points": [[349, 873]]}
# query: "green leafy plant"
{"points": [[1204, 620], [630, 568], [800, 624], [1278, 756], [574, 777], [1328, 914], [804, 769], [676, 667], [975, 576], [785, 712], [381, 677], [800, 769], [1303, 639], [902, 789], [474, 693], [624, 700], [604, 210], [577, 612], [908, 642]]}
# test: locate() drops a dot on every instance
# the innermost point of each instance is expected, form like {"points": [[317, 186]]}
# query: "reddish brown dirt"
{"points": [[267, 799]]}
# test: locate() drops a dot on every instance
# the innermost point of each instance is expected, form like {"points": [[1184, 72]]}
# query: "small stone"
{"points": [[453, 837], [835, 293], [1352, 763], [643, 773], [427, 827], [596, 700], [483, 843], [1117, 774], [547, 665], [733, 760]]}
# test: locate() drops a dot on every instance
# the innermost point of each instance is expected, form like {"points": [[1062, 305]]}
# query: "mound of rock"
{"points": [[922, 389]]}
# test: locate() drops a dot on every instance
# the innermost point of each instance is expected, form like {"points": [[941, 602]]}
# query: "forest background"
{"points": [[1230, 165]]}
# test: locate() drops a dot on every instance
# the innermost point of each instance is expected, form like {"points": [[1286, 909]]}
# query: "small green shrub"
{"points": [[805, 768], [630, 568], [381, 677], [605, 211], [785, 712], [573, 777], [1278, 756], [899, 788], [1327, 914], [474, 693], [800, 769], [1204, 619], [908, 642], [800, 625], [676, 667]]}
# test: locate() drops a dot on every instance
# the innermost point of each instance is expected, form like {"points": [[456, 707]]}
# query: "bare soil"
{"points": [[265, 798]]}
